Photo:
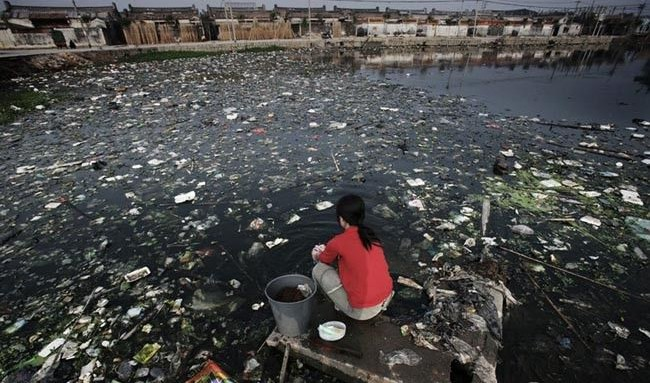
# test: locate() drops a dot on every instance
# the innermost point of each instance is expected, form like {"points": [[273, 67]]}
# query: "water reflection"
{"points": [[579, 85], [564, 60]]}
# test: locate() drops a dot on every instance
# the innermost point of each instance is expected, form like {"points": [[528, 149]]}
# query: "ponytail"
{"points": [[368, 236], [353, 210]]}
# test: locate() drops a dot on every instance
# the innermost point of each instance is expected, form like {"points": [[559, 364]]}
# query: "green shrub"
{"points": [[26, 100]]}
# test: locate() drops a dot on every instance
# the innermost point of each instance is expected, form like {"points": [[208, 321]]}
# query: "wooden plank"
{"points": [[369, 337]]}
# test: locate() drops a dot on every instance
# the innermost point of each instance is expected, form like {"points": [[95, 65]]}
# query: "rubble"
{"points": [[404, 356]]}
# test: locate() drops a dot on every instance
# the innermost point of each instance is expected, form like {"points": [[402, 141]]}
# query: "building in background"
{"points": [[24, 26], [246, 21], [27, 26], [162, 25]]}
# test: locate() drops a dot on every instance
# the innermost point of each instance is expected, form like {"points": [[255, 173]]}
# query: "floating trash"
{"points": [[324, 205], [415, 182], [276, 242], [185, 197], [137, 274], [147, 352]]}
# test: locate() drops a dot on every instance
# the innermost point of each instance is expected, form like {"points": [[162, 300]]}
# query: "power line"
{"points": [[393, 1], [560, 4], [542, 6]]}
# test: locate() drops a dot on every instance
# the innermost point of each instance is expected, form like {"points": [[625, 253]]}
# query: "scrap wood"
{"points": [[557, 310], [335, 162], [569, 126], [601, 151], [285, 360], [613, 288], [560, 220], [606, 153], [317, 342], [485, 215], [147, 318], [265, 339]]}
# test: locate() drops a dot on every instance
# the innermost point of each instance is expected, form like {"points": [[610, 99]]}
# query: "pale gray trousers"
{"points": [[328, 279]]}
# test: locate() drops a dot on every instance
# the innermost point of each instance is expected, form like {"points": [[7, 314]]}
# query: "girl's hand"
{"points": [[315, 252]]}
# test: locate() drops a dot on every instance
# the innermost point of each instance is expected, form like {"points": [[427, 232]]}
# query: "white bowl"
{"points": [[331, 331]]}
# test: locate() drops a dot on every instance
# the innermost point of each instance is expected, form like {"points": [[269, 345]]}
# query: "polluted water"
{"points": [[145, 209]]}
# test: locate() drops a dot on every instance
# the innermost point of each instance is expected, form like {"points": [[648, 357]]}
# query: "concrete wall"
{"points": [[96, 37], [372, 28], [40, 40], [389, 29], [400, 29], [70, 35], [481, 30], [527, 30], [7, 39], [449, 30], [569, 29]]}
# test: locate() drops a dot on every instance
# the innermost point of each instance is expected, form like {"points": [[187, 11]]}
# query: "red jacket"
{"points": [[364, 273]]}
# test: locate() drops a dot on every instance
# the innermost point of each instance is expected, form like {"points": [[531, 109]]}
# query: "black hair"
{"points": [[353, 210]]}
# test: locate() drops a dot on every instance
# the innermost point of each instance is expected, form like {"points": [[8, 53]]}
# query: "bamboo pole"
{"points": [[557, 310], [613, 288]]}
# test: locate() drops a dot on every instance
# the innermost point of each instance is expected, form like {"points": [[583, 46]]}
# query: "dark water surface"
{"points": [[442, 117], [606, 86], [590, 86]]}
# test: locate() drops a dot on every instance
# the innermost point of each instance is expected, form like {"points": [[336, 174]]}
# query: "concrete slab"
{"points": [[368, 338]]}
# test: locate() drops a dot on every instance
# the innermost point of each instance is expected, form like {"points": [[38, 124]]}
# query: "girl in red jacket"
{"points": [[362, 287]]}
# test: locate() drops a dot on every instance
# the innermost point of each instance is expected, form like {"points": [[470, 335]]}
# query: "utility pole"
{"points": [[638, 15], [232, 22], [309, 16], [475, 19], [601, 14], [229, 15], [641, 8], [460, 18], [574, 12], [83, 24]]}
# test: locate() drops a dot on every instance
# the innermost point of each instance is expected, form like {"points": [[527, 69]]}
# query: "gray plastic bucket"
{"points": [[292, 318]]}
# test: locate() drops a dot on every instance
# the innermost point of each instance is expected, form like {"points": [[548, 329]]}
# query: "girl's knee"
{"points": [[318, 271]]}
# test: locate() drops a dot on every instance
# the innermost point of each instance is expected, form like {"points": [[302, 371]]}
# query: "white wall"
{"points": [[573, 29], [401, 28], [7, 39], [547, 30], [41, 40], [528, 30], [481, 30], [95, 35], [450, 30]]}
